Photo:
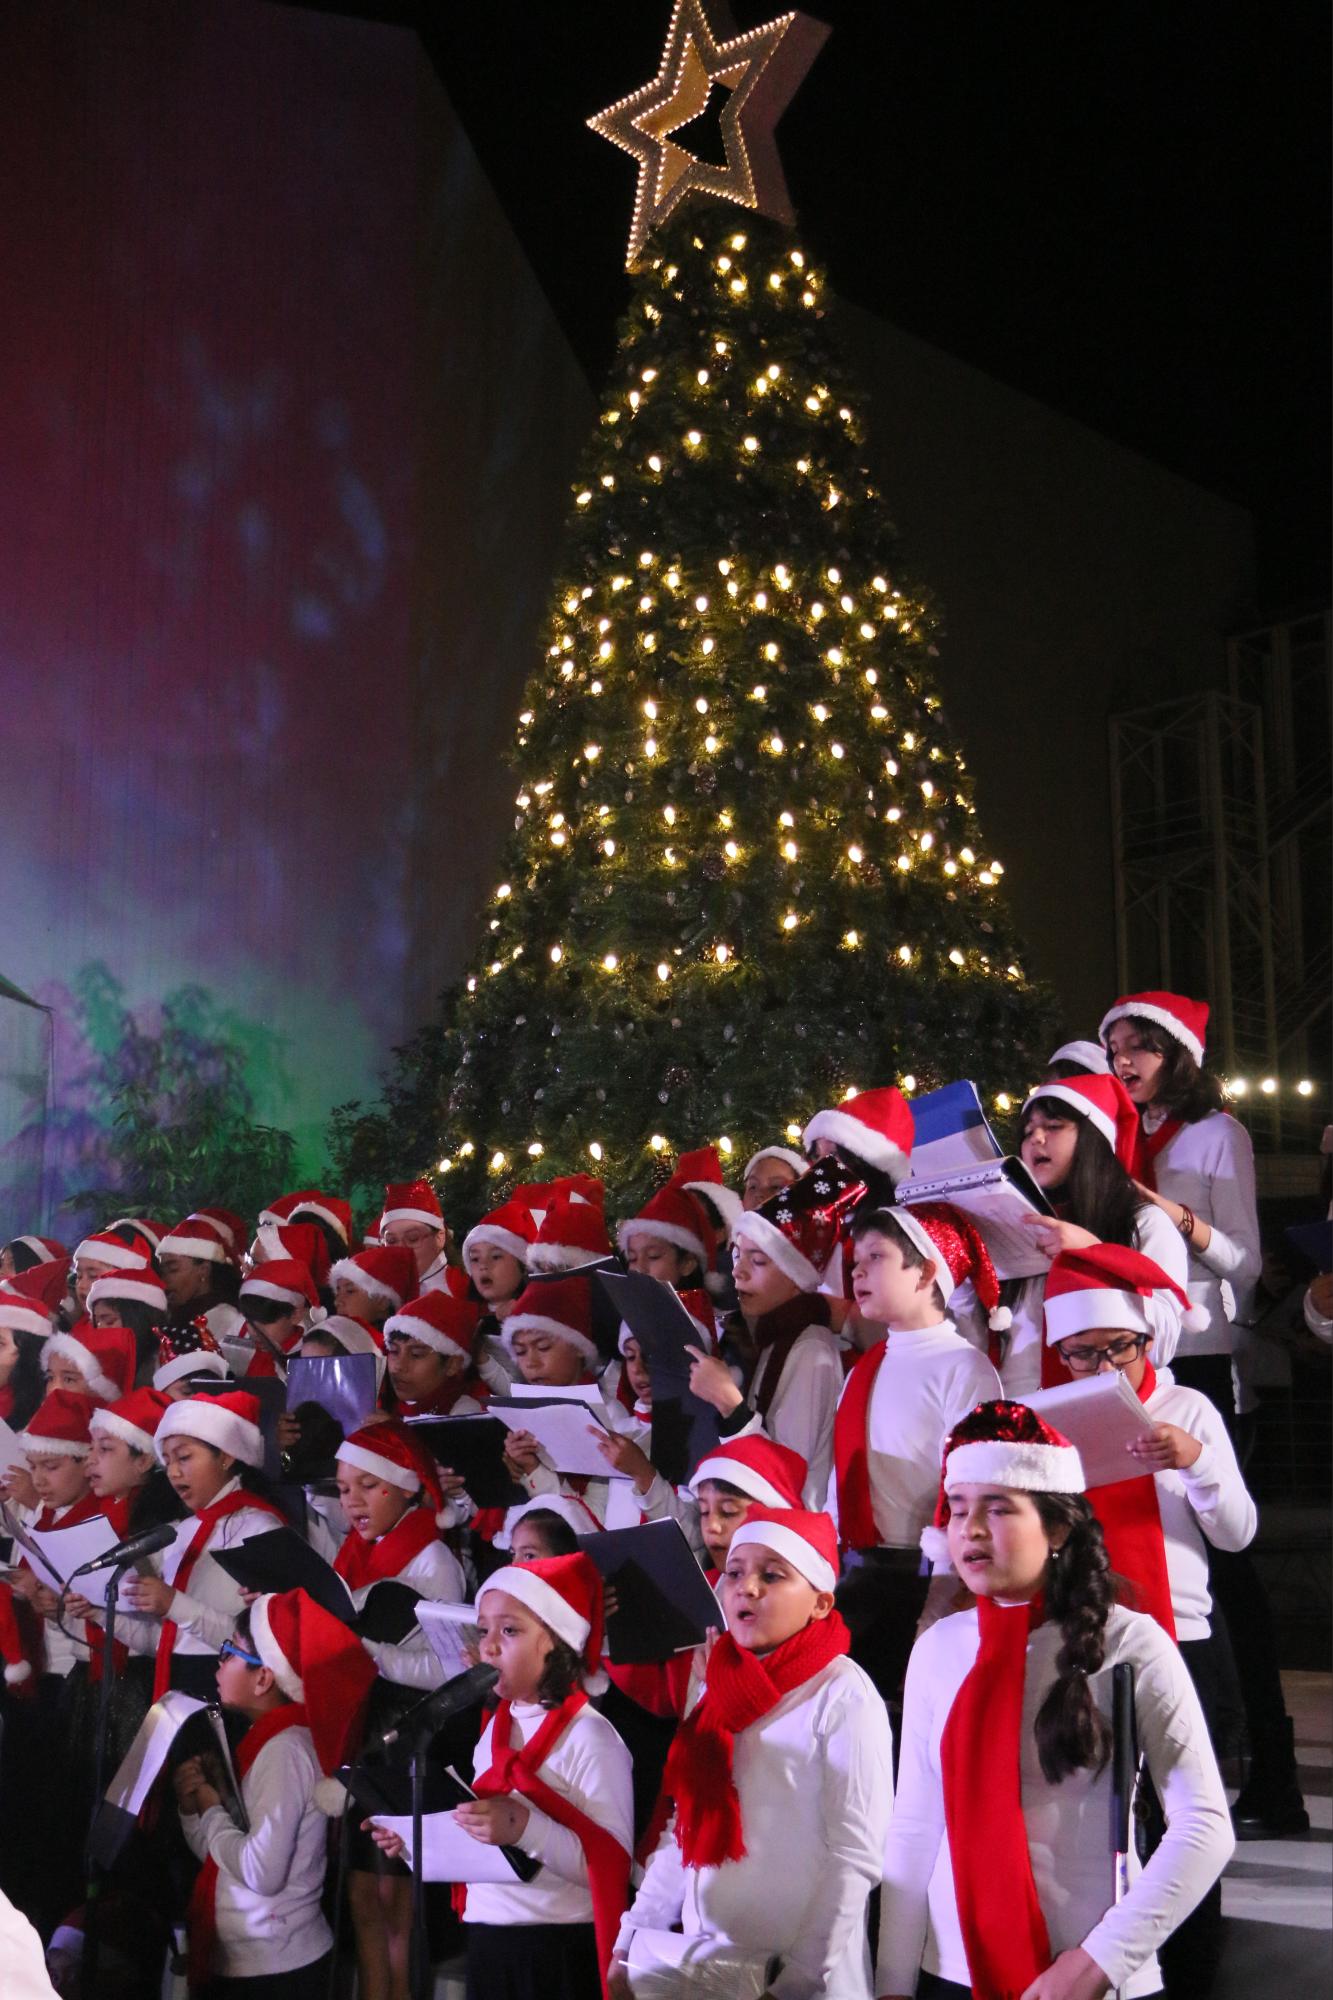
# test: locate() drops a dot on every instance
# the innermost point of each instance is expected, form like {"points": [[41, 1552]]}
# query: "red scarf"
{"points": [[359, 1563], [740, 1691], [1131, 1519], [1153, 1143], [851, 1452], [202, 1917], [6, 1402], [517, 1770], [1004, 1931], [206, 1520]]}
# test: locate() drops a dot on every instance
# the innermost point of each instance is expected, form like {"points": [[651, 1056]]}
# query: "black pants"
{"points": [[930, 1986], [532, 1962], [881, 1603], [308, 1982]]}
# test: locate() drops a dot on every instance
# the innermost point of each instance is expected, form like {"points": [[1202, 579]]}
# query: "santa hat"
{"points": [[951, 1241], [439, 1320], [787, 1154], [567, 1505], [875, 1127], [808, 1541], [284, 1281], [44, 1248], [229, 1423], [26, 1305], [1091, 1056], [354, 1336], [387, 1272], [136, 1282], [105, 1356], [572, 1233], [134, 1418], [576, 1187], [318, 1661], [187, 1350], [389, 1452], [15, 1654], [1002, 1444], [1108, 1108], [801, 1227], [559, 1306], [510, 1228], [1109, 1285], [58, 1427], [565, 1592], [1184, 1019], [773, 1474], [411, 1201], [293, 1242], [700, 1173], [232, 1228], [112, 1251], [311, 1202], [675, 1217], [199, 1238]]}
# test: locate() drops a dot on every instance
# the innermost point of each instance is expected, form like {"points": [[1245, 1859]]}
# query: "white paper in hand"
{"points": [[447, 1853], [1103, 1416], [452, 1632], [561, 1429]]}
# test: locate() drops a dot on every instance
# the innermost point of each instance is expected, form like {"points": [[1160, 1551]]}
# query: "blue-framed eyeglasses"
{"points": [[229, 1650]]}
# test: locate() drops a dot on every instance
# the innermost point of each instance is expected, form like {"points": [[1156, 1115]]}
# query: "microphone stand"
{"points": [[419, 1968], [91, 1941]]}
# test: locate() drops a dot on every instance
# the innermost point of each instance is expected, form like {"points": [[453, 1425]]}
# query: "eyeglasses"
{"points": [[1120, 1353], [229, 1650]]}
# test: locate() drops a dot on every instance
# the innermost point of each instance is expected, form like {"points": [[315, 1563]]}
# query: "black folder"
{"points": [[280, 1560], [473, 1447], [685, 1428], [664, 1602]]}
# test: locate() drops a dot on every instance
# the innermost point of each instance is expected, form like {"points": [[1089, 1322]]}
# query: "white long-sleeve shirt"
{"points": [[433, 1572], [1207, 1502], [1209, 1168], [271, 1878], [815, 1782], [1068, 1825], [803, 1406], [205, 1614], [590, 1767]]}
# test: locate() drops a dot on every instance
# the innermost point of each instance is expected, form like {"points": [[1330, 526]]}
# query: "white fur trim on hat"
{"points": [[666, 1232], [271, 1653], [358, 1275], [391, 1215], [75, 1351], [571, 1510], [120, 1285], [116, 1257], [189, 1364], [1091, 1054], [743, 1477], [412, 1328], [17, 1672], [204, 1418], [1094, 1310], [202, 1248], [866, 1144], [539, 1323], [786, 1154], [926, 1244], [935, 1546], [338, 1227], [724, 1199], [500, 1239], [521, 1581], [25, 1316], [404, 1477], [793, 1548], [40, 1447], [757, 1230], [1160, 1018], [107, 1420], [37, 1247], [1084, 1107], [1032, 1468], [558, 1257], [260, 1287]]}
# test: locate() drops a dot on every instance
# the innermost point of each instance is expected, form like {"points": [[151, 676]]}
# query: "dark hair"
{"points": [[554, 1530], [241, 1627], [336, 1246], [879, 1185], [253, 1480], [1097, 1191], [264, 1312], [562, 1674], [27, 1381], [25, 1257], [1063, 1068], [1183, 1089], [143, 1322], [882, 1222], [1072, 1733], [725, 1486], [153, 1502]]}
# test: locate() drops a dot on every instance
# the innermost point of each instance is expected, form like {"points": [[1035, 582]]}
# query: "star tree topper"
{"points": [[761, 69]]}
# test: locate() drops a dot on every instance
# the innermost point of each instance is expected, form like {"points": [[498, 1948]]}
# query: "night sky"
{"points": [[1122, 210]]}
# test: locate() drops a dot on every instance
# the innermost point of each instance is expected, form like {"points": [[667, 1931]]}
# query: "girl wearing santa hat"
{"points": [[131, 1295], [374, 1283], [781, 1780], [27, 1319], [201, 1276], [95, 1361], [553, 1778], [119, 1248], [999, 1873]]}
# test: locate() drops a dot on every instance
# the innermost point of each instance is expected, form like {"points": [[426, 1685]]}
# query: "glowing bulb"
{"points": [[790, 921], [850, 1092], [789, 849], [1305, 1088], [866, 631], [927, 789], [648, 375], [909, 1082], [701, 377], [775, 745], [724, 1144], [584, 498], [854, 855], [927, 841], [608, 847], [592, 751], [446, 1166], [497, 1161], [654, 462], [722, 953], [955, 956], [731, 851], [770, 650], [650, 746], [557, 839], [694, 437], [1003, 1101], [851, 939], [834, 656], [820, 712], [751, 442], [905, 953], [1237, 1087], [710, 743], [557, 953], [701, 705], [1268, 1086], [758, 693], [664, 971], [966, 856], [836, 750], [701, 604], [879, 712], [658, 1143], [472, 985], [467, 1149], [535, 1150], [503, 891], [610, 962], [669, 815], [951, 867], [785, 819], [904, 862], [595, 1151]]}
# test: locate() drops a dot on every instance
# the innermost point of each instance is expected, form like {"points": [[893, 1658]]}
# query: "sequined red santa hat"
{"points": [[1002, 1444], [230, 1423], [283, 1281], [411, 1201], [318, 1661], [105, 1356], [439, 1320], [771, 1473], [510, 1228], [700, 1173], [1108, 1108], [139, 1283], [572, 1233], [187, 1350], [802, 1227], [133, 1418], [198, 1238], [1185, 1020], [58, 1427], [387, 1272], [565, 1592], [558, 1306], [1108, 1285], [45, 1249], [806, 1540], [875, 1127], [113, 1251], [674, 1217], [26, 1301], [951, 1241], [389, 1452], [310, 1203]]}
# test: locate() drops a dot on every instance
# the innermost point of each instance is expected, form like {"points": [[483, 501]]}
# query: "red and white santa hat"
{"points": [[310, 1202], [137, 1282], [233, 1229], [295, 1243], [951, 1241], [153, 1231], [117, 1255], [318, 1661], [26, 1301], [558, 1306], [773, 1474], [229, 1423], [510, 1228], [285, 1281], [1090, 1056], [134, 1418], [16, 1655], [675, 1217], [389, 1452], [44, 1248], [787, 1154], [572, 1232], [802, 1227], [1108, 1108], [187, 1350], [875, 1127], [567, 1505], [411, 1201], [1109, 1285], [1002, 1444], [700, 1173], [439, 1320], [1184, 1019], [808, 1541], [565, 1592], [355, 1336], [199, 1238], [105, 1356], [387, 1272], [58, 1427]]}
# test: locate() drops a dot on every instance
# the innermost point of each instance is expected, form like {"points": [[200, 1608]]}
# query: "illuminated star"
{"points": [[760, 69]]}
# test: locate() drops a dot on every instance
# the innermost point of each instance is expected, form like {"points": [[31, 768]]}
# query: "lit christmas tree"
{"points": [[745, 876]]}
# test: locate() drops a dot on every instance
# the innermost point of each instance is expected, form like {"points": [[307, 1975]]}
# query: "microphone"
{"points": [[146, 1543], [425, 1717]]}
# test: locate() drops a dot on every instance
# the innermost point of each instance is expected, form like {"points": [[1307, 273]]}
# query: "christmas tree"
{"points": [[745, 875]]}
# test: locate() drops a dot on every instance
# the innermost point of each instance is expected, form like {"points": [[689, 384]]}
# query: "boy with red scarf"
{"points": [[782, 1784]]}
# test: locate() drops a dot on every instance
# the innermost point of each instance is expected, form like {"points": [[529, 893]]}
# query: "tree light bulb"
{"points": [[836, 750], [731, 850], [702, 705], [789, 849], [467, 1149], [750, 442], [851, 939], [905, 953], [701, 377], [669, 815], [966, 856], [854, 854], [694, 437], [664, 971], [503, 891], [673, 578], [654, 462], [650, 746], [608, 847], [592, 751], [758, 693], [955, 956], [722, 953], [775, 745], [1268, 1085], [724, 1144], [820, 712], [595, 1151], [445, 1167], [497, 1161], [536, 1149], [710, 744], [557, 953], [610, 962], [785, 819], [658, 1143], [1305, 1088], [648, 375], [790, 921]]}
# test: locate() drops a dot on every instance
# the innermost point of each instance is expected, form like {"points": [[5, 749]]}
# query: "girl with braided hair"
{"points": [[999, 1870]]}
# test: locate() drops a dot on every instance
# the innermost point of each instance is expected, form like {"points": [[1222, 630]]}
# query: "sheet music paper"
{"points": [[447, 1853]]}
